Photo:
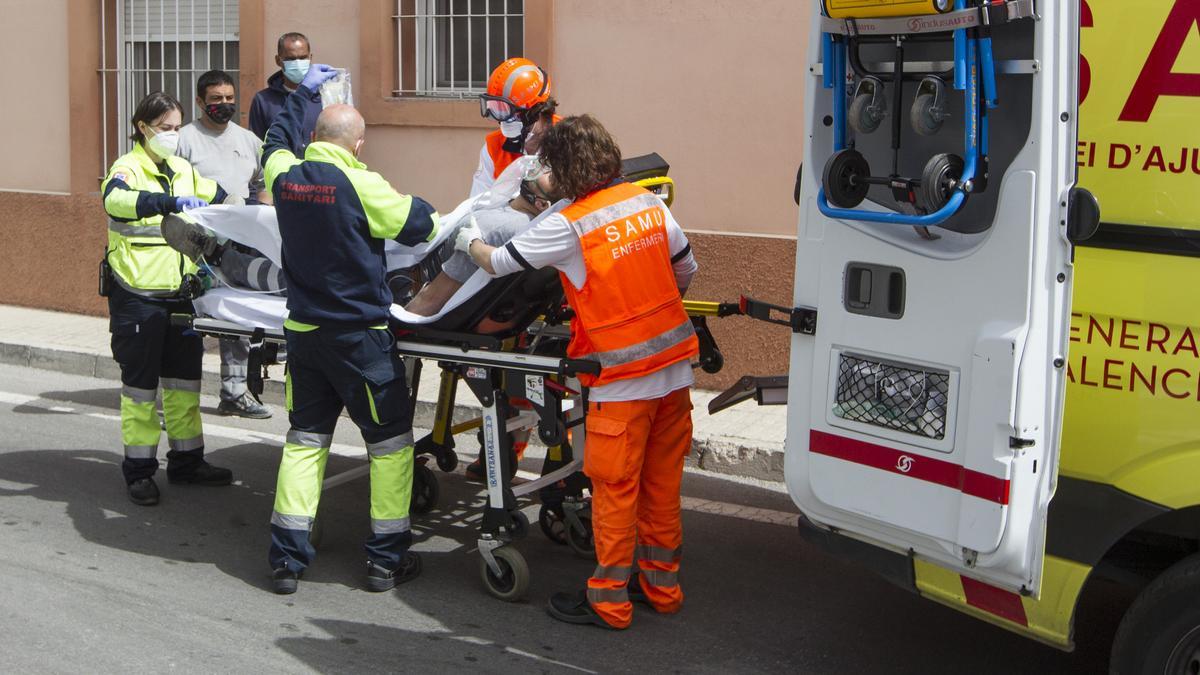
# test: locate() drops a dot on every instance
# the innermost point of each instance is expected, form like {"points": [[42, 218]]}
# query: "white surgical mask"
{"points": [[164, 143], [511, 128], [295, 70]]}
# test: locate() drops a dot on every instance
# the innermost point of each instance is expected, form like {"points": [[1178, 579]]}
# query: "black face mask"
{"points": [[220, 112]]}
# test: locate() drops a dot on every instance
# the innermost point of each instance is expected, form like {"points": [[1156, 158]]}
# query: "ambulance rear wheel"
{"points": [[425, 490], [1160, 633], [845, 179], [513, 581], [939, 180], [583, 543]]}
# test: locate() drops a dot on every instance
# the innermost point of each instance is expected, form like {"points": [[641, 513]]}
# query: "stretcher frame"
{"points": [[493, 377]]}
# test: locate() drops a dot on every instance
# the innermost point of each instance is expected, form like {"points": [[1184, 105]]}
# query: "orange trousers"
{"points": [[634, 456]]}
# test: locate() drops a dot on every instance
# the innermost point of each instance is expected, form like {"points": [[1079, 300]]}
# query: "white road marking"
{"points": [[750, 513]]}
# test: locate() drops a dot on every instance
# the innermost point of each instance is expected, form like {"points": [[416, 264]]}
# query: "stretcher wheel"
{"points": [[518, 525], [553, 436], [938, 181], [317, 532], [714, 363], [843, 179], [447, 460], [425, 490], [583, 543], [513, 582], [924, 118], [552, 524]]}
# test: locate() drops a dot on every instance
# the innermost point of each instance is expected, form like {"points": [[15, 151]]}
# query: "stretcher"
{"points": [[506, 341]]}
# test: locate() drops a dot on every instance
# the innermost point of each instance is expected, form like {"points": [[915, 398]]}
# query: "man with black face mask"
{"points": [[229, 154]]}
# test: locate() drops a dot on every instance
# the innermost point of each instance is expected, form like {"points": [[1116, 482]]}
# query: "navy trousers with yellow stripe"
{"points": [[357, 368], [153, 353]]}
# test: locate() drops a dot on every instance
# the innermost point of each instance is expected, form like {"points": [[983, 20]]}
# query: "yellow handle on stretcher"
{"points": [[874, 9], [702, 308], [662, 186]]}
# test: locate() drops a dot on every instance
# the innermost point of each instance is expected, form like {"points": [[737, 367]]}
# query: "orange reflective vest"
{"points": [[501, 158], [628, 315]]}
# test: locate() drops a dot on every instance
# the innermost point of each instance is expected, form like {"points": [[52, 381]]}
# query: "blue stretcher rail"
{"points": [[971, 56]]}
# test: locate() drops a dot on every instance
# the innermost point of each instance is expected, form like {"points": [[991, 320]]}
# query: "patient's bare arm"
{"points": [[430, 299]]}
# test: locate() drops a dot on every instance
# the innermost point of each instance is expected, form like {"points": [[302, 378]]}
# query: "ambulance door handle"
{"points": [[874, 290]]}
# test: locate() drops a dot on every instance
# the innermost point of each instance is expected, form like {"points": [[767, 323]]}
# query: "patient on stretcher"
{"points": [[498, 226], [242, 267]]}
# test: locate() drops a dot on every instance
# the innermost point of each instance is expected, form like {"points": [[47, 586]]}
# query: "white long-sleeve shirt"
{"points": [[553, 243]]}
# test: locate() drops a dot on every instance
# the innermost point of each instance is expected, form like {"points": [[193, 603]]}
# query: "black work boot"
{"points": [[574, 608], [202, 473], [285, 581], [380, 579], [190, 239], [143, 492]]}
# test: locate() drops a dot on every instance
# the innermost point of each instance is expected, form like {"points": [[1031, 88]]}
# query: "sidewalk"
{"points": [[746, 440]]}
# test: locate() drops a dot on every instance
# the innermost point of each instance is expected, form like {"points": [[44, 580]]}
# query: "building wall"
{"points": [[36, 115]]}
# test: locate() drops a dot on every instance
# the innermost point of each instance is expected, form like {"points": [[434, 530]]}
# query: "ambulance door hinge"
{"points": [[802, 320], [970, 556]]}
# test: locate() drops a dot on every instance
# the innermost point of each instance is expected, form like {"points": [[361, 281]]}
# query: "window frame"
{"points": [[378, 43]]}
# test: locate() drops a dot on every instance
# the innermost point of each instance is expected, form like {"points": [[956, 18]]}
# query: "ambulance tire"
{"points": [[843, 170], [425, 490], [941, 174], [862, 117], [1160, 632], [513, 582]]}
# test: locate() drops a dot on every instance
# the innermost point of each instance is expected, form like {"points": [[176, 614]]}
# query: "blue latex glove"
{"points": [[318, 74], [186, 203]]}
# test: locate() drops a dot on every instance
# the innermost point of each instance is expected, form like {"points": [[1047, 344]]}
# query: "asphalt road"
{"points": [[92, 583]]}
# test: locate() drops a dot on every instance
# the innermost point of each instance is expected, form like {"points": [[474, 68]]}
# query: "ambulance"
{"points": [[994, 386]]}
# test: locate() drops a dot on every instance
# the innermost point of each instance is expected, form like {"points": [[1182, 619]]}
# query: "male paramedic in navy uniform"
{"points": [[334, 216]]}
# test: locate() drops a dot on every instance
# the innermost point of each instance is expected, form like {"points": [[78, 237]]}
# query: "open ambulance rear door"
{"points": [[924, 411]]}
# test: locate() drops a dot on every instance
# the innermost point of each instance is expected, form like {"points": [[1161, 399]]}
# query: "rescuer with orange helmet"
{"points": [[518, 98], [625, 264]]}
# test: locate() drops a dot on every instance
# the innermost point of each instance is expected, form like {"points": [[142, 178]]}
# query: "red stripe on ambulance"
{"points": [[928, 469]]}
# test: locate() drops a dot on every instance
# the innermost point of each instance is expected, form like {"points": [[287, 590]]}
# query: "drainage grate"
{"points": [[908, 399]]}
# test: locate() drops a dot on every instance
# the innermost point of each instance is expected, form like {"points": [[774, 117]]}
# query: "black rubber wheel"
{"points": [[553, 437], [582, 543], [552, 524], [842, 179], [518, 525], [861, 118], [317, 532], [425, 490], [513, 582], [939, 180], [921, 116], [1160, 633], [715, 363], [447, 460]]}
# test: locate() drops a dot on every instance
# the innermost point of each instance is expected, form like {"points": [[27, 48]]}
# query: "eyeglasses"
{"points": [[498, 108]]}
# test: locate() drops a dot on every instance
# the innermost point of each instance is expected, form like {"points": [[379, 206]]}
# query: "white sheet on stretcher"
{"points": [[256, 226]]}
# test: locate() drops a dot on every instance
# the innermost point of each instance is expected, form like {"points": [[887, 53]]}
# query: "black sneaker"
{"points": [[203, 474], [574, 608], [380, 579], [285, 581], [143, 492], [189, 238], [244, 406]]}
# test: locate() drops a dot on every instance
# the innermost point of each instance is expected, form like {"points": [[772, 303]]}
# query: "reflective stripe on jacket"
{"points": [[628, 315], [137, 194]]}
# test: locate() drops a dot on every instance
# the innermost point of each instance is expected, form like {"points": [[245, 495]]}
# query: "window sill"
{"points": [[424, 112]]}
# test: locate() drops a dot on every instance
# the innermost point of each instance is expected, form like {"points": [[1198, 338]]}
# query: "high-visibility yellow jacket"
{"points": [[137, 194]]}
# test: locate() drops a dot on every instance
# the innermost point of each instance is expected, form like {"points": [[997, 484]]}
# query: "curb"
{"points": [[717, 454]]}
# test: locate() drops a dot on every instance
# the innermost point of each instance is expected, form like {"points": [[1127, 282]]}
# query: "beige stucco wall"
{"points": [[34, 39], [331, 26], [713, 86]]}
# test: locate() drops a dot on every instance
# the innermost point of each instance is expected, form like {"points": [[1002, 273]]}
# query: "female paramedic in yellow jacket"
{"points": [[145, 282]]}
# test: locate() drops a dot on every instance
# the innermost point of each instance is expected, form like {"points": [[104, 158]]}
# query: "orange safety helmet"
{"points": [[516, 85]]}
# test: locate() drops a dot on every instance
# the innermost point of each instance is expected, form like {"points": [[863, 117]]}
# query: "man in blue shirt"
{"points": [[293, 56]]}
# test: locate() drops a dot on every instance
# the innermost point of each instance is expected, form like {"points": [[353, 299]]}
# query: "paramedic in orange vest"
{"points": [[625, 264], [518, 97]]}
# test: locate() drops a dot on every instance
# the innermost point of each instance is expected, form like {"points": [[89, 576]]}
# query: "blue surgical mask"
{"points": [[295, 70]]}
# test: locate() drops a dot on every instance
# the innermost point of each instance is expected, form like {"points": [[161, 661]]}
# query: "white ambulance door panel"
{"points": [[924, 414]]}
